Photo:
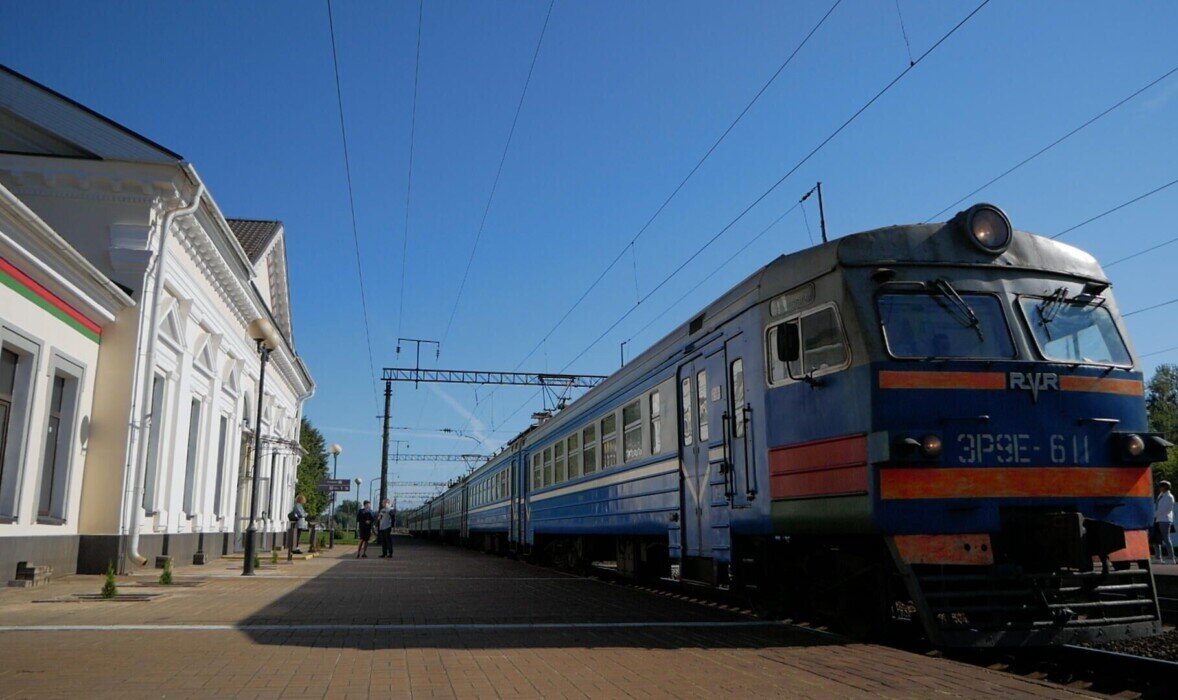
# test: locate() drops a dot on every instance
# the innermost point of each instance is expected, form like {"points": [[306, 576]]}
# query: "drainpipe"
{"points": [[135, 485]]}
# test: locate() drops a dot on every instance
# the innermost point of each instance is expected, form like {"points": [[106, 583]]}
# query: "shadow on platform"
{"points": [[445, 597]]}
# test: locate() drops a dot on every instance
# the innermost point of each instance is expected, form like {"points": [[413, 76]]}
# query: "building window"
{"points": [[609, 441], [632, 431], [687, 419], [17, 363], [738, 397], [59, 430], [701, 391], [190, 463], [222, 450], [156, 420], [589, 448], [656, 426]]}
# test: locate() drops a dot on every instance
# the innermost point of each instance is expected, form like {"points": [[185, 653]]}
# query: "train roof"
{"points": [[914, 244]]}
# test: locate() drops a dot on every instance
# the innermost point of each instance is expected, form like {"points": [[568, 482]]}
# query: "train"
{"points": [[937, 423]]}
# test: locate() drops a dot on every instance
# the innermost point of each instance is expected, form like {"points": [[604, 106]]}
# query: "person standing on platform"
{"points": [[364, 520], [384, 529], [1163, 523], [299, 517]]}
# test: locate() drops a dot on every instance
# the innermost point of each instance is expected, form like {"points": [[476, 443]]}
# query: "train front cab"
{"points": [[1006, 455]]}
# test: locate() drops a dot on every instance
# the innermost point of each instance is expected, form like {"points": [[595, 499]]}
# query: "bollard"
{"points": [[311, 547]]}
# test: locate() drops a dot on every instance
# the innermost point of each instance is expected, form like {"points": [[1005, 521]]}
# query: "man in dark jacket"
{"points": [[364, 520]]}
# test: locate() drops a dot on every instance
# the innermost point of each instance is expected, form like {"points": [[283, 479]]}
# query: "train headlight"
{"points": [[987, 227], [931, 446], [1134, 445]]}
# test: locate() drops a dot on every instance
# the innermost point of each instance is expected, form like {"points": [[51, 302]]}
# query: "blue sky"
{"points": [[624, 99]]}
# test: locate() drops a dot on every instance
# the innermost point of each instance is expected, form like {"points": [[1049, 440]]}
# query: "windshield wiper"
{"points": [[1049, 308], [967, 317]]}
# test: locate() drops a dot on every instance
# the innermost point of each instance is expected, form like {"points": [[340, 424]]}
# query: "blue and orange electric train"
{"points": [[942, 420]]}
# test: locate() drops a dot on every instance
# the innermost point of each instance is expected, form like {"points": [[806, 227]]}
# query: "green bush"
{"points": [[257, 562], [109, 588], [273, 556], [166, 577]]}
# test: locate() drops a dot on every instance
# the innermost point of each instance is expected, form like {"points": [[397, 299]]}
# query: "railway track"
{"points": [[1101, 671]]}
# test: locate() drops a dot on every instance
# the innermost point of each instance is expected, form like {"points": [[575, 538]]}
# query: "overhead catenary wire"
{"points": [[352, 202], [498, 172], [683, 182], [1056, 142], [409, 177], [1120, 206], [1149, 308], [772, 188]]}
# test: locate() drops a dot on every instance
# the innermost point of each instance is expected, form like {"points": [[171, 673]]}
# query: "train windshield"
{"points": [[1075, 331], [945, 325]]}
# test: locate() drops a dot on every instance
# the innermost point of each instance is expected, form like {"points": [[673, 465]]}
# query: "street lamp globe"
{"points": [[335, 449]]}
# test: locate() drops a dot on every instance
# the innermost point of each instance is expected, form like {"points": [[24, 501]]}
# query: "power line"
{"points": [[351, 201], [782, 179], [1056, 142], [666, 201], [707, 154], [775, 185], [1116, 208], [1150, 308], [1141, 252], [1159, 352], [409, 179], [499, 171]]}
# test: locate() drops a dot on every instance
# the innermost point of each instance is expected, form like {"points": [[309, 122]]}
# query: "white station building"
{"points": [[128, 380]]}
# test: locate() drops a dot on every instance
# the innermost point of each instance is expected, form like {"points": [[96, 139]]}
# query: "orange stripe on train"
{"points": [[1016, 482], [1125, 387], [889, 379]]}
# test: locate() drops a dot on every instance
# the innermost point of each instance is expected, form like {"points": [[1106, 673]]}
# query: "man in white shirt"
{"points": [[384, 529], [1163, 522]]}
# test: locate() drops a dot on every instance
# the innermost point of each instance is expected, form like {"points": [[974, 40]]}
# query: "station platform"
{"points": [[438, 621]]}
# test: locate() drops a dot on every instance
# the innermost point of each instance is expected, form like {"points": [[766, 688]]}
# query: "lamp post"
{"points": [[335, 451], [263, 334], [359, 483]]}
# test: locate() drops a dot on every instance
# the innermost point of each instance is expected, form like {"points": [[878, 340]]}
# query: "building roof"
{"points": [[254, 235]]}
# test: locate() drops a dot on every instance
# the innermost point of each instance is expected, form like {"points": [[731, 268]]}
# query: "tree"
{"points": [[313, 469], [1161, 401], [345, 514]]}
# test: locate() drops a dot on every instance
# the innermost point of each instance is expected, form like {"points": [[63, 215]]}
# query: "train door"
{"points": [[739, 480], [705, 539], [513, 504]]}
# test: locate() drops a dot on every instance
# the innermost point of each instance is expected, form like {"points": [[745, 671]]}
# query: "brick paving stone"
{"points": [[431, 585]]}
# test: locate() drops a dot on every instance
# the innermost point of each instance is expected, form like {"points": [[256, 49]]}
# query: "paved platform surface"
{"points": [[438, 622]]}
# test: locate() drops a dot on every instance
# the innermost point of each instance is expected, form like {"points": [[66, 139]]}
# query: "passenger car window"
{"points": [[589, 451], [656, 433], [609, 441], [632, 431], [927, 325], [1072, 331]]}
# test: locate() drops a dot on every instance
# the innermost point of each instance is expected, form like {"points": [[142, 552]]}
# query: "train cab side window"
{"points": [[632, 431], [806, 345], [656, 433], [537, 472], [548, 466], [687, 418], [738, 397], [589, 451], [609, 441], [558, 451]]}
